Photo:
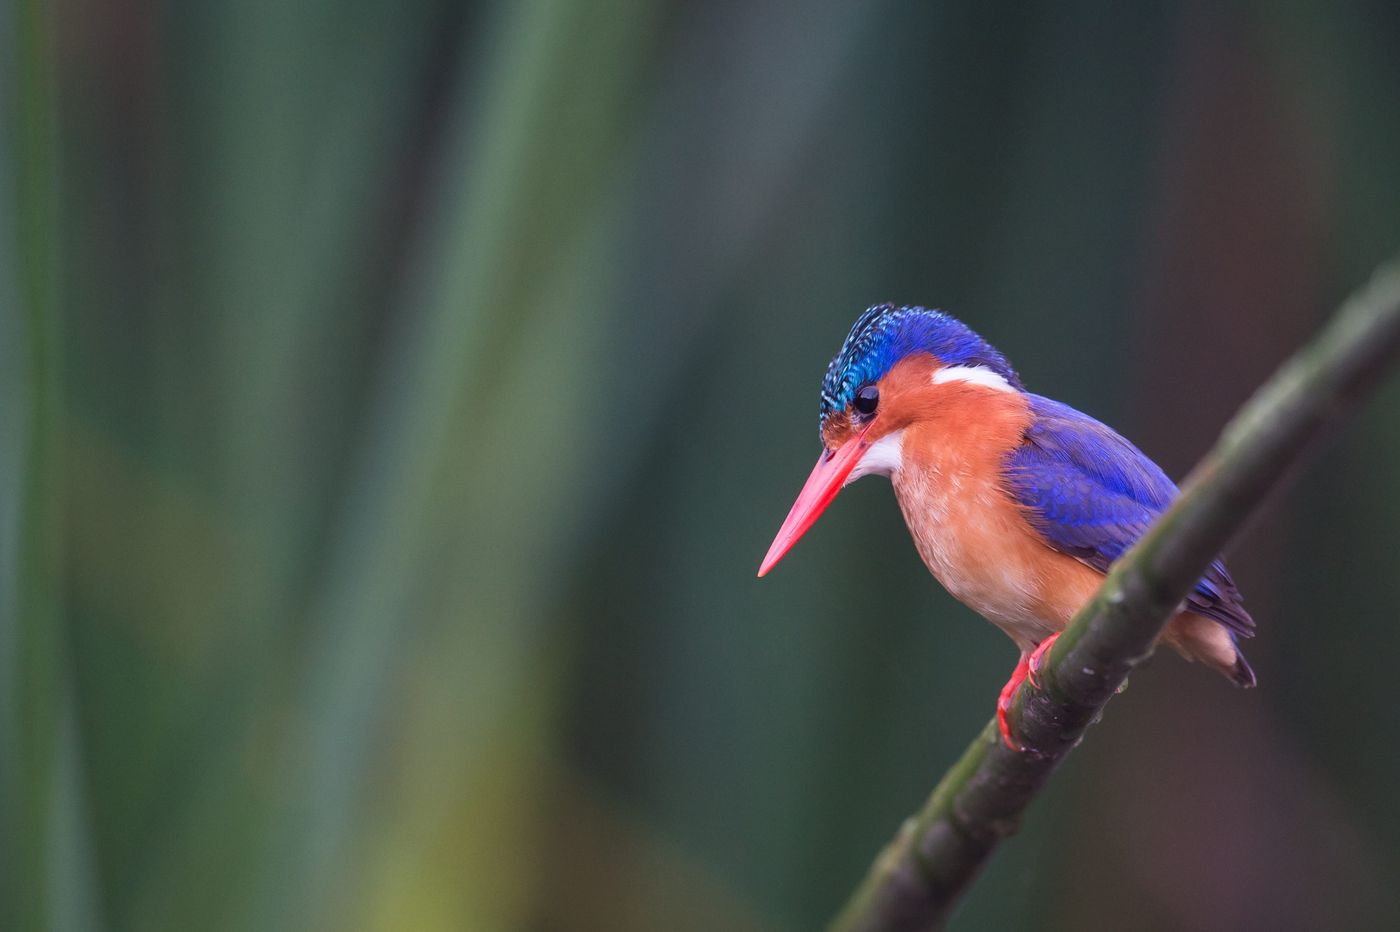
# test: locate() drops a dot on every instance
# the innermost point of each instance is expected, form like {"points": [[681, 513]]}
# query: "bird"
{"points": [[1016, 503]]}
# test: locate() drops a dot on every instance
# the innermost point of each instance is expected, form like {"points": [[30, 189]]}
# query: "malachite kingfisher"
{"points": [[1017, 504]]}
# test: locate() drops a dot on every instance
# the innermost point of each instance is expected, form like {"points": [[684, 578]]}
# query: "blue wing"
{"points": [[1091, 494]]}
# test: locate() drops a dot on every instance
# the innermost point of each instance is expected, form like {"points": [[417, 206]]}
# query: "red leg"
{"points": [[1008, 693], [1038, 656]]}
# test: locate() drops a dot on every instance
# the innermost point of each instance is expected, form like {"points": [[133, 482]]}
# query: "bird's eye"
{"points": [[867, 399]]}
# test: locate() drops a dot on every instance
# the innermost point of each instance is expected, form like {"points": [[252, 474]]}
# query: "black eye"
{"points": [[867, 399]]}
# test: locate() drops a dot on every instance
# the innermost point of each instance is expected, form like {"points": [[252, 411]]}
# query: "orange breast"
{"points": [[969, 531]]}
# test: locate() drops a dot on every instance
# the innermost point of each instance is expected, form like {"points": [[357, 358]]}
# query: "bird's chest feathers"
{"points": [[969, 532]]}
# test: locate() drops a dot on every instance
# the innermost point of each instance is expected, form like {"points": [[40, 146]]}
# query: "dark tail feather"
{"points": [[1242, 673]]}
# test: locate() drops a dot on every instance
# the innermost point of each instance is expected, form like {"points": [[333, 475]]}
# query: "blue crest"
{"points": [[885, 334]]}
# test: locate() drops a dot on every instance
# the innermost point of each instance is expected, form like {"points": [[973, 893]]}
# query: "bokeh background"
{"points": [[396, 399]]}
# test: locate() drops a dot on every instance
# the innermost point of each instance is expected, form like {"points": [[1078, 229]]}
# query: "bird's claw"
{"points": [[1026, 669], [1038, 657], [1008, 695]]}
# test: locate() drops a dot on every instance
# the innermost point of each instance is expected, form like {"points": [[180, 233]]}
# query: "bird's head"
{"points": [[898, 366]]}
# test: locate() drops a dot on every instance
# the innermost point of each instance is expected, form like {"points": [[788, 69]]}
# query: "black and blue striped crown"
{"points": [[885, 334]]}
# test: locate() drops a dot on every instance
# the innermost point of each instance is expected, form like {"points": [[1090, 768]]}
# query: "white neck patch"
{"points": [[973, 375], [884, 457]]}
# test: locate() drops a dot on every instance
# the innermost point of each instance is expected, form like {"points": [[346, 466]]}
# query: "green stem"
{"points": [[921, 875]]}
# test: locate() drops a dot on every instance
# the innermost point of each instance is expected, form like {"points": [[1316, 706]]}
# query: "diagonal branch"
{"points": [[920, 876]]}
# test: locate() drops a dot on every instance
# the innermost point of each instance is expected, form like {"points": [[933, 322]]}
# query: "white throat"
{"points": [[882, 458]]}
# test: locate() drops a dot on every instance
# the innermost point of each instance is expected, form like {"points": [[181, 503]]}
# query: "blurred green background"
{"points": [[396, 399]]}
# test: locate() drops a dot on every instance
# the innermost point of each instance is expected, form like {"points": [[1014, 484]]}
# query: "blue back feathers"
{"points": [[885, 334], [1091, 494]]}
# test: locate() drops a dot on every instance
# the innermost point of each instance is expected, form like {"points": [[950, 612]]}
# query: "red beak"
{"points": [[822, 485]]}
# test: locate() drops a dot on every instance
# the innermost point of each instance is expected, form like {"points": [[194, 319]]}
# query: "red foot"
{"points": [[1008, 693], [1026, 669], [1038, 657]]}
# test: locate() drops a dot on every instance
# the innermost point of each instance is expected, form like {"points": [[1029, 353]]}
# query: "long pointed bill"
{"points": [[822, 485]]}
